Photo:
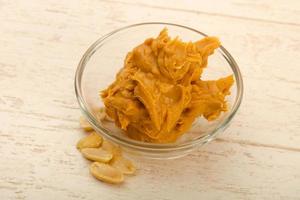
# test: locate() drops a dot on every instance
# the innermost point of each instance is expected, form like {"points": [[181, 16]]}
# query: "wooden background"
{"points": [[41, 44]]}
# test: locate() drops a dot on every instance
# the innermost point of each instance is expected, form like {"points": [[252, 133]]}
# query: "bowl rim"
{"points": [[134, 144]]}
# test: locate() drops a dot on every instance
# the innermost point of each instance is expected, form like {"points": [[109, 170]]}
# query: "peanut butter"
{"points": [[159, 91]]}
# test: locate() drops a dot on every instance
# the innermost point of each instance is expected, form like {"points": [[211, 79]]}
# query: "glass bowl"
{"points": [[100, 63]]}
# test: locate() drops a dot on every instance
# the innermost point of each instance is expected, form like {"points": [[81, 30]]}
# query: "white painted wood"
{"points": [[278, 12], [41, 43]]}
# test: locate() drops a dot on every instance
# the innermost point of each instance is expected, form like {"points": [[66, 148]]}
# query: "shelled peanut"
{"points": [[108, 165]]}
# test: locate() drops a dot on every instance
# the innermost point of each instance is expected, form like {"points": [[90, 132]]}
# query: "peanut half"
{"points": [[112, 148], [123, 164], [85, 124], [106, 173], [93, 140], [97, 154]]}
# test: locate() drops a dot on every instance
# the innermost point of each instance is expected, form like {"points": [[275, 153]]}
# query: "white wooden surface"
{"points": [[41, 43]]}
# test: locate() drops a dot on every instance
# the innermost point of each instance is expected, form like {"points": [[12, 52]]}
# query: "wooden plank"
{"points": [[278, 12]]}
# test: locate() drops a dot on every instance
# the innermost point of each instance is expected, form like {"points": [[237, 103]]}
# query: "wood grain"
{"points": [[275, 12], [41, 43]]}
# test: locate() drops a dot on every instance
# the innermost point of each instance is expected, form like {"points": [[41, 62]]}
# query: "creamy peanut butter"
{"points": [[159, 91]]}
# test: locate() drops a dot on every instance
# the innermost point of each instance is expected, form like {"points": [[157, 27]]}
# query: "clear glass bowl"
{"points": [[100, 63]]}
